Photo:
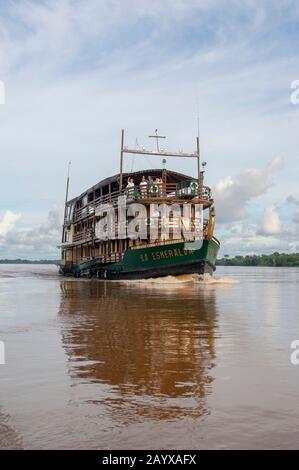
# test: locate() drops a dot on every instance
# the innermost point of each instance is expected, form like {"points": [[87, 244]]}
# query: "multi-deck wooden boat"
{"points": [[97, 245]]}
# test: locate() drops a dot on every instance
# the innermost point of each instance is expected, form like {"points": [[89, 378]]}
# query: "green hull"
{"points": [[165, 260]]}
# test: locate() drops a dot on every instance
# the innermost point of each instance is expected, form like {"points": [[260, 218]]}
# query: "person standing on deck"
{"points": [[130, 188], [159, 183], [143, 187]]}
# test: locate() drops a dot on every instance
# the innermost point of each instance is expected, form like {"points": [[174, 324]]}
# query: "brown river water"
{"points": [[179, 363]]}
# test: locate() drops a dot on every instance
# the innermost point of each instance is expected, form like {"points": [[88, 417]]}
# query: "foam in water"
{"points": [[182, 279]]}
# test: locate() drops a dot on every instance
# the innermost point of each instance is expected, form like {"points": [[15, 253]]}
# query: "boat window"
{"points": [[105, 190]]}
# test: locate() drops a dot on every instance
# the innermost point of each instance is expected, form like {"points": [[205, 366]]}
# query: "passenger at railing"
{"points": [[143, 187], [150, 183], [130, 188], [159, 183], [154, 188], [130, 183]]}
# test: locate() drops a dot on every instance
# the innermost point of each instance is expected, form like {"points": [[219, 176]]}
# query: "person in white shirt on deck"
{"points": [[143, 187]]}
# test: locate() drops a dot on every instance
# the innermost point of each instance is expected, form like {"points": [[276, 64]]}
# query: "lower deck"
{"points": [[152, 261]]}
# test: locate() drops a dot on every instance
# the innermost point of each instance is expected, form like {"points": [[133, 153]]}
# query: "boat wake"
{"points": [[181, 280]]}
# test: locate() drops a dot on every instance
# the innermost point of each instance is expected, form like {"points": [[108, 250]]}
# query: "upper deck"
{"points": [[162, 186], [146, 187]]}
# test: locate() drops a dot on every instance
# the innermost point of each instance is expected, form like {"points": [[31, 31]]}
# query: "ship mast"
{"points": [[121, 160], [66, 194], [199, 176], [160, 153], [67, 182]]}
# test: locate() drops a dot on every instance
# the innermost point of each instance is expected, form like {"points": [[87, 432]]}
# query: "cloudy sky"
{"points": [[77, 71]]}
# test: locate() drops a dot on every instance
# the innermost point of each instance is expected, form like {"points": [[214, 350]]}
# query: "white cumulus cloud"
{"points": [[271, 223], [7, 224], [38, 242], [232, 194]]}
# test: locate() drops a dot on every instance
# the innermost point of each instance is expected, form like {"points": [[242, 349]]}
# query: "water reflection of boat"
{"points": [[153, 348]]}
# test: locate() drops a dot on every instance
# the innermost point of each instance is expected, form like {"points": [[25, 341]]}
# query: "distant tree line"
{"points": [[28, 261], [276, 259]]}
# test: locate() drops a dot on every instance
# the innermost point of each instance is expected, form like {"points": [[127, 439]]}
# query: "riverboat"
{"points": [[143, 224]]}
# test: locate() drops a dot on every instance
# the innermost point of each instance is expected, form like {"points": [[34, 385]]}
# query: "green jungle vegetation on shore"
{"points": [[29, 261], [276, 259]]}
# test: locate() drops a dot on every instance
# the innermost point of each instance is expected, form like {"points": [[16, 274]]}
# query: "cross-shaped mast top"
{"points": [[157, 137], [125, 150]]}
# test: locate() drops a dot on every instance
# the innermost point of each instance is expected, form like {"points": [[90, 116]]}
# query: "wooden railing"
{"points": [[85, 235], [105, 258], [111, 257]]}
